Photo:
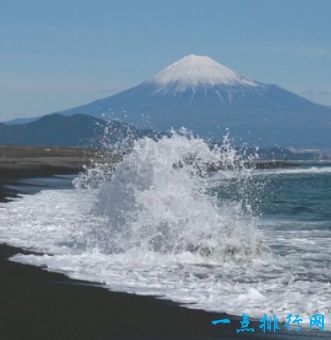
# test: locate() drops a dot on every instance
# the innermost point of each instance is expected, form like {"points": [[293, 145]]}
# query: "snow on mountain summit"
{"points": [[192, 71]]}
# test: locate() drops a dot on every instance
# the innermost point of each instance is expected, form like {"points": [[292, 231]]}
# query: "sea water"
{"points": [[165, 223]]}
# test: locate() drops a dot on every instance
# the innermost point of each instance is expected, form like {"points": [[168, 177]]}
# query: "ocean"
{"points": [[231, 240]]}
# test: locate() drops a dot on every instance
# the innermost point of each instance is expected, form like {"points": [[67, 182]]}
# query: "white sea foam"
{"points": [[294, 171], [156, 227]]}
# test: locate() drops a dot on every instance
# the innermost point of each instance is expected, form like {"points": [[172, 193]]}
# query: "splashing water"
{"points": [[157, 200], [172, 219]]}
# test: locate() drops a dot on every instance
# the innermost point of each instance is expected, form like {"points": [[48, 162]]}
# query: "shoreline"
{"points": [[38, 304], [35, 303]]}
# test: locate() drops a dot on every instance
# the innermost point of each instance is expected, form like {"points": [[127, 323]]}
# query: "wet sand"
{"points": [[25, 161], [30, 162], [36, 304]]}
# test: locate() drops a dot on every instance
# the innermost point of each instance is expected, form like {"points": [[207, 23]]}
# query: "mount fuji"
{"points": [[208, 98]]}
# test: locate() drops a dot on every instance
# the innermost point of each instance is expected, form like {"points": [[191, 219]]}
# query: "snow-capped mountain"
{"points": [[200, 94], [193, 71]]}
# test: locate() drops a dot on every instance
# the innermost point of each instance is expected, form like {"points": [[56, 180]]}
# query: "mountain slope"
{"points": [[58, 130], [200, 94], [209, 98]]}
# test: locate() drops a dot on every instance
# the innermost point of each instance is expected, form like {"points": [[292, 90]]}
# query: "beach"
{"points": [[36, 304], [39, 304]]}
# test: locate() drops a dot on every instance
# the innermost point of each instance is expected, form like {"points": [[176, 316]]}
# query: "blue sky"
{"points": [[58, 54]]}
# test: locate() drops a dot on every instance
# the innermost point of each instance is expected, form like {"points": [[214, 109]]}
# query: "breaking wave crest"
{"points": [[159, 198]]}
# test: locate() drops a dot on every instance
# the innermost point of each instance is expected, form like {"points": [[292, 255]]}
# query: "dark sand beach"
{"points": [[37, 304]]}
